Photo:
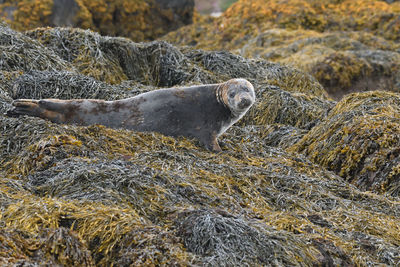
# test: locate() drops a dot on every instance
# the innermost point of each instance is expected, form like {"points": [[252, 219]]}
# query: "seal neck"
{"points": [[219, 92]]}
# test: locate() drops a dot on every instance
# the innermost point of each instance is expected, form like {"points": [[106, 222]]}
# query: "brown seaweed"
{"points": [[72, 195]]}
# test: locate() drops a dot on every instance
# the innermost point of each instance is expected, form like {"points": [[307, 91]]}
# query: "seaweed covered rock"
{"points": [[260, 72], [245, 19], [341, 61], [359, 140], [72, 195], [150, 246], [162, 64], [123, 181], [21, 53], [293, 109], [347, 45], [275, 135], [51, 247], [112, 68], [123, 192], [114, 60], [226, 240], [343, 73], [139, 20]]}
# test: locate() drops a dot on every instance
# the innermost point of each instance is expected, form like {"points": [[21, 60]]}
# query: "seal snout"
{"points": [[244, 102]]}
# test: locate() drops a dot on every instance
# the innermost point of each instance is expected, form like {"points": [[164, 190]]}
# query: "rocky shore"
{"points": [[310, 176]]}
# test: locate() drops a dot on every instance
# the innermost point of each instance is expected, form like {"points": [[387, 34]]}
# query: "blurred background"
{"points": [[214, 7]]}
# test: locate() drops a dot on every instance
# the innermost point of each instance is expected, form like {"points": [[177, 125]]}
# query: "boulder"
{"points": [[139, 20]]}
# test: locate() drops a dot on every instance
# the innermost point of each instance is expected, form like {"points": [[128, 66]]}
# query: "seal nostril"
{"points": [[244, 102]]}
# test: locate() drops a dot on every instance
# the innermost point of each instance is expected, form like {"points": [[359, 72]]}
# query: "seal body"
{"points": [[203, 112]]}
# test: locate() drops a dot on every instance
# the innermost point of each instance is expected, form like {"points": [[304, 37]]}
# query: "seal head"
{"points": [[238, 96]]}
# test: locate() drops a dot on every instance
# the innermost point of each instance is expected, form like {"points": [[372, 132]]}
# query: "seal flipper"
{"points": [[211, 143], [215, 146], [36, 108], [24, 107]]}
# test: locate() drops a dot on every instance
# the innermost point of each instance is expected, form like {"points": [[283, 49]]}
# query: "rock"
{"points": [[73, 195], [52, 247], [139, 20], [359, 141], [342, 62], [331, 40]]}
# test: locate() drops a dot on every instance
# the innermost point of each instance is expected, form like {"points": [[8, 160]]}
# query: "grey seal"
{"points": [[203, 112]]}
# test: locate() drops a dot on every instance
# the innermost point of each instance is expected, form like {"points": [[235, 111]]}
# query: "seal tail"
{"points": [[46, 109]]}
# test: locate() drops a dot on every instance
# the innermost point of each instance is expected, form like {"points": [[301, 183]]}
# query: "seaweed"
{"points": [[118, 176], [246, 19], [138, 20], [82, 49], [293, 109], [166, 249], [74, 195], [358, 140], [342, 62], [348, 46], [21, 53], [51, 247], [260, 72], [224, 240]]}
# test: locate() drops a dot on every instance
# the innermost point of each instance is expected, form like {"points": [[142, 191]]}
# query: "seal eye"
{"points": [[231, 94]]}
